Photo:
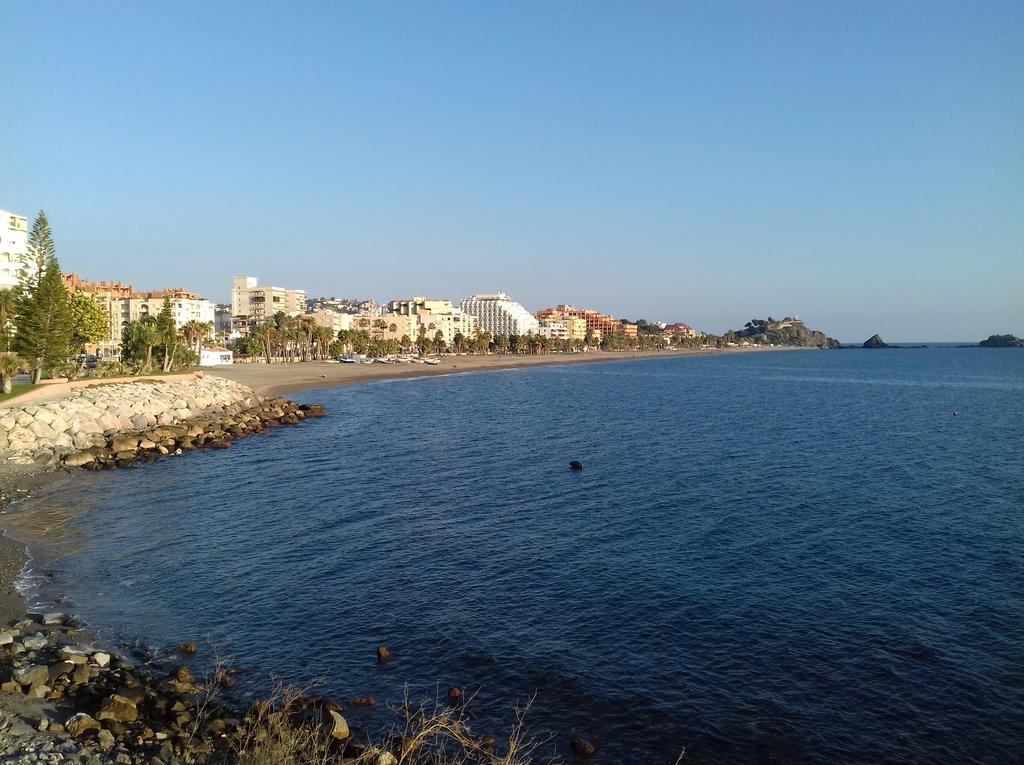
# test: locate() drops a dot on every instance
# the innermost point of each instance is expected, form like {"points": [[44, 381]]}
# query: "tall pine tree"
{"points": [[43, 326]]}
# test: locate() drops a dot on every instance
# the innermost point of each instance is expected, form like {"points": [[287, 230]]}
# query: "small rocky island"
{"points": [[789, 332], [875, 341], [1002, 341]]}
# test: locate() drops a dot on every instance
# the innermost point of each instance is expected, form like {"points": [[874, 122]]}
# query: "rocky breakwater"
{"points": [[116, 425]]}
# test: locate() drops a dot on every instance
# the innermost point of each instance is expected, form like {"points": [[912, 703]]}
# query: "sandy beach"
{"points": [[278, 379]]}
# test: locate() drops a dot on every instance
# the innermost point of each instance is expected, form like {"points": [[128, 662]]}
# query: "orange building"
{"points": [[596, 321]]}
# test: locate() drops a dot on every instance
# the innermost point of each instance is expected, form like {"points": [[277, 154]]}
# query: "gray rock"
{"points": [[33, 674]]}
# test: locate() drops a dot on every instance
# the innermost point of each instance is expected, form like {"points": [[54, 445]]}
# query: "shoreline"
{"points": [[279, 379]]}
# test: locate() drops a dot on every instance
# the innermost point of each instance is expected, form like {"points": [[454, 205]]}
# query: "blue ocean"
{"points": [[778, 557]]}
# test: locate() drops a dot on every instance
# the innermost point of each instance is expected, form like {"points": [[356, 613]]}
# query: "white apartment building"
{"points": [[554, 330], [434, 316], [185, 307], [13, 247], [500, 315], [252, 304], [450, 324]]}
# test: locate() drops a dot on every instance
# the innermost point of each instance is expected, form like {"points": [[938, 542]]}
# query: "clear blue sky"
{"points": [[858, 163]]}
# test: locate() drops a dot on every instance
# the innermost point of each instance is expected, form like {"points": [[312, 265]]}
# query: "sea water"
{"points": [[768, 557]]}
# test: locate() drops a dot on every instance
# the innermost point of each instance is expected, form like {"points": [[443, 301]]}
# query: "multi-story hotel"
{"points": [[434, 316], [335, 321], [123, 304], [251, 305], [574, 325], [679, 330], [599, 324], [500, 315], [554, 330], [13, 248]]}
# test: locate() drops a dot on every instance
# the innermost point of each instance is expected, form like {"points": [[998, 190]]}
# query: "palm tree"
{"points": [[144, 334], [306, 335], [10, 366], [266, 336], [323, 338], [194, 332]]}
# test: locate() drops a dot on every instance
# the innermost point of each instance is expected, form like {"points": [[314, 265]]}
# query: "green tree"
{"points": [[90, 320], [422, 341], [8, 309], [43, 333], [10, 366], [168, 330], [266, 337], [138, 338], [194, 332]]}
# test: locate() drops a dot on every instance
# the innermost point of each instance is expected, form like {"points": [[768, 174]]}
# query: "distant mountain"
{"points": [[788, 332], [1002, 341]]}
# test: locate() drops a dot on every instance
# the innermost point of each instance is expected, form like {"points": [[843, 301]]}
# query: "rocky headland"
{"points": [[788, 333]]}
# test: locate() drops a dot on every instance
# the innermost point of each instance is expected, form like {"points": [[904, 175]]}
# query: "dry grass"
{"points": [[432, 732]]}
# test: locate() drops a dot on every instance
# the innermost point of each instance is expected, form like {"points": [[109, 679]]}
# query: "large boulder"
{"points": [[119, 709], [81, 724], [33, 674], [124, 442], [79, 459], [339, 729], [875, 342]]}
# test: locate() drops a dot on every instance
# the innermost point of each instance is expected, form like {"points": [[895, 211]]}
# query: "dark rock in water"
{"points": [[362, 701], [583, 748], [875, 342], [188, 647], [383, 654], [454, 694], [576, 465], [183, 675], [1002, 341], [226, 681]]}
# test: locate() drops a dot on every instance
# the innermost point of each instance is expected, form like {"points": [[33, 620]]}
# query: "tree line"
{"points": [[45, 328], [286, 338]]}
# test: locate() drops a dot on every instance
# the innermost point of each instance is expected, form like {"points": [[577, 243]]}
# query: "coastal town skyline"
{"points": [[198, 304], [706, 162]]}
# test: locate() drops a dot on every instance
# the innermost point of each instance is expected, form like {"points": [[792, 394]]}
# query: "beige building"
{"points": [[449, 324], [553, 330], [434, 316], [252, 304], [396, 326], [336, 321], [417, 304], [123, 304]]}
